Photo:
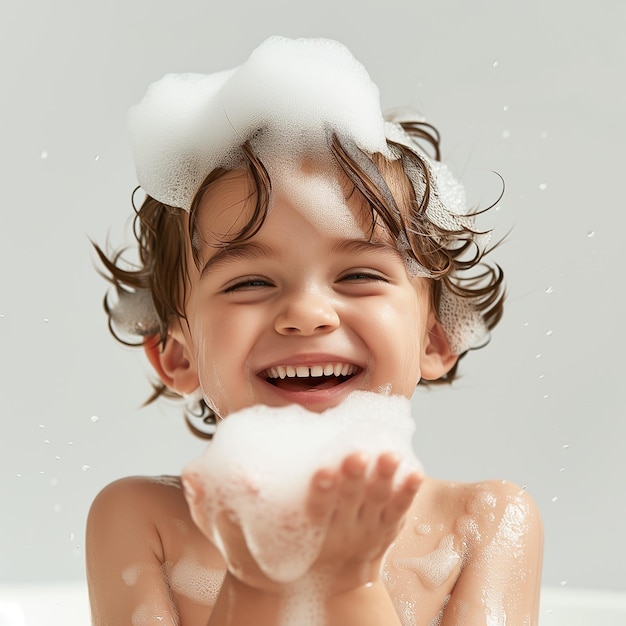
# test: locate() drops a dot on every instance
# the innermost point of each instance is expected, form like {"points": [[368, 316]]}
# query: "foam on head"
{"points": [[284, 100], [260, 463]]}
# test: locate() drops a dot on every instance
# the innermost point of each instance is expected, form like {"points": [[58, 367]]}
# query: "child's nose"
{"points": [[307, 312]]}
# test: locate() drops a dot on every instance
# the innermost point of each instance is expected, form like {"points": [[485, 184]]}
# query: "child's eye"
{"points": [[247, 284], [363, 276]]}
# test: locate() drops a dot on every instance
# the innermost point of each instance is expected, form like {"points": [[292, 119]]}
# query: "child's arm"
{"points": [[124, 558], [363, 515], [500, 582]]}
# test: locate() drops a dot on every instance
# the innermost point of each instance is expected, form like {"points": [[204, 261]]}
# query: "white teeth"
{"points": [[315, 371]]}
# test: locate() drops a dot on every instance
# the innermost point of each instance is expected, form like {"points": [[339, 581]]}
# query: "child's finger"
{"points": [[402, 498], [351, 488], [322, 496], [380, 487]]}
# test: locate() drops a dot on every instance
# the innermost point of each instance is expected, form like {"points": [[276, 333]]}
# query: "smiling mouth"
{"points": [[309, 377]]}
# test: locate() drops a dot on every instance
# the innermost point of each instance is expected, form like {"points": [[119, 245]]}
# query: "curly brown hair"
{"points": [[451, 256]]}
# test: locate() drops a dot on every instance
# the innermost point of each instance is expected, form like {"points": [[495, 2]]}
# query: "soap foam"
{"points": [[434, 568], [284, 100], [189, 578], [260, 463]]}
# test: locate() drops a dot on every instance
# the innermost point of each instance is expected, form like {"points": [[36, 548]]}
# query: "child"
{"points": [[295, 247]]}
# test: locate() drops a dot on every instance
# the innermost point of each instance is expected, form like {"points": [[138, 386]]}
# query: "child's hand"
{"points": [[360, 514], [363, 515]]}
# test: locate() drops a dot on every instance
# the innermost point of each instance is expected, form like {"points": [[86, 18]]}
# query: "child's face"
{"points": [[335, 308]]}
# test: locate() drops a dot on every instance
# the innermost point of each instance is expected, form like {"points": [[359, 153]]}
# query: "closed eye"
{"points": [[247, 284], [363, 276]]}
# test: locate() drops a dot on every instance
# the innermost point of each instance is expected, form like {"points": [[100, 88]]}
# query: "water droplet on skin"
{"points": [[550, 290], [543, 187], [591, 234], [44, 154], [94, 418], [522, 491], [548, 333]]}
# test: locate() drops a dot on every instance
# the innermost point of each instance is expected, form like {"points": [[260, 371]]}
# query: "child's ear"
{"points": [[437, 357], [172, 363]]}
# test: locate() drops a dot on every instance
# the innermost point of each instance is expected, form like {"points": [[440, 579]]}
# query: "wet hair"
{"points": [[452, 257]]}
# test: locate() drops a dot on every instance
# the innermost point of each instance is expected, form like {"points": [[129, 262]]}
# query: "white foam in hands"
{"points": [[260, 463]]}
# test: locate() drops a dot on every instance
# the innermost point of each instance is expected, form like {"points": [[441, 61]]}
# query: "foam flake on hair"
{"points": [[464, 326], [133, 313]]}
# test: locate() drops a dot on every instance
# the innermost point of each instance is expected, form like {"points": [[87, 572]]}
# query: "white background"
{"points": [[533, 90]]}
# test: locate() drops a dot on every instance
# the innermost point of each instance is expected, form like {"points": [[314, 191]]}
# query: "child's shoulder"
{"points": [[149, 514], [142, 543], [481, 507], [138, 496]]}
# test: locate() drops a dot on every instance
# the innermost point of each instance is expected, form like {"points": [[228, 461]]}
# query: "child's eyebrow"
{"points": [[246, 250], [361, 246]]}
